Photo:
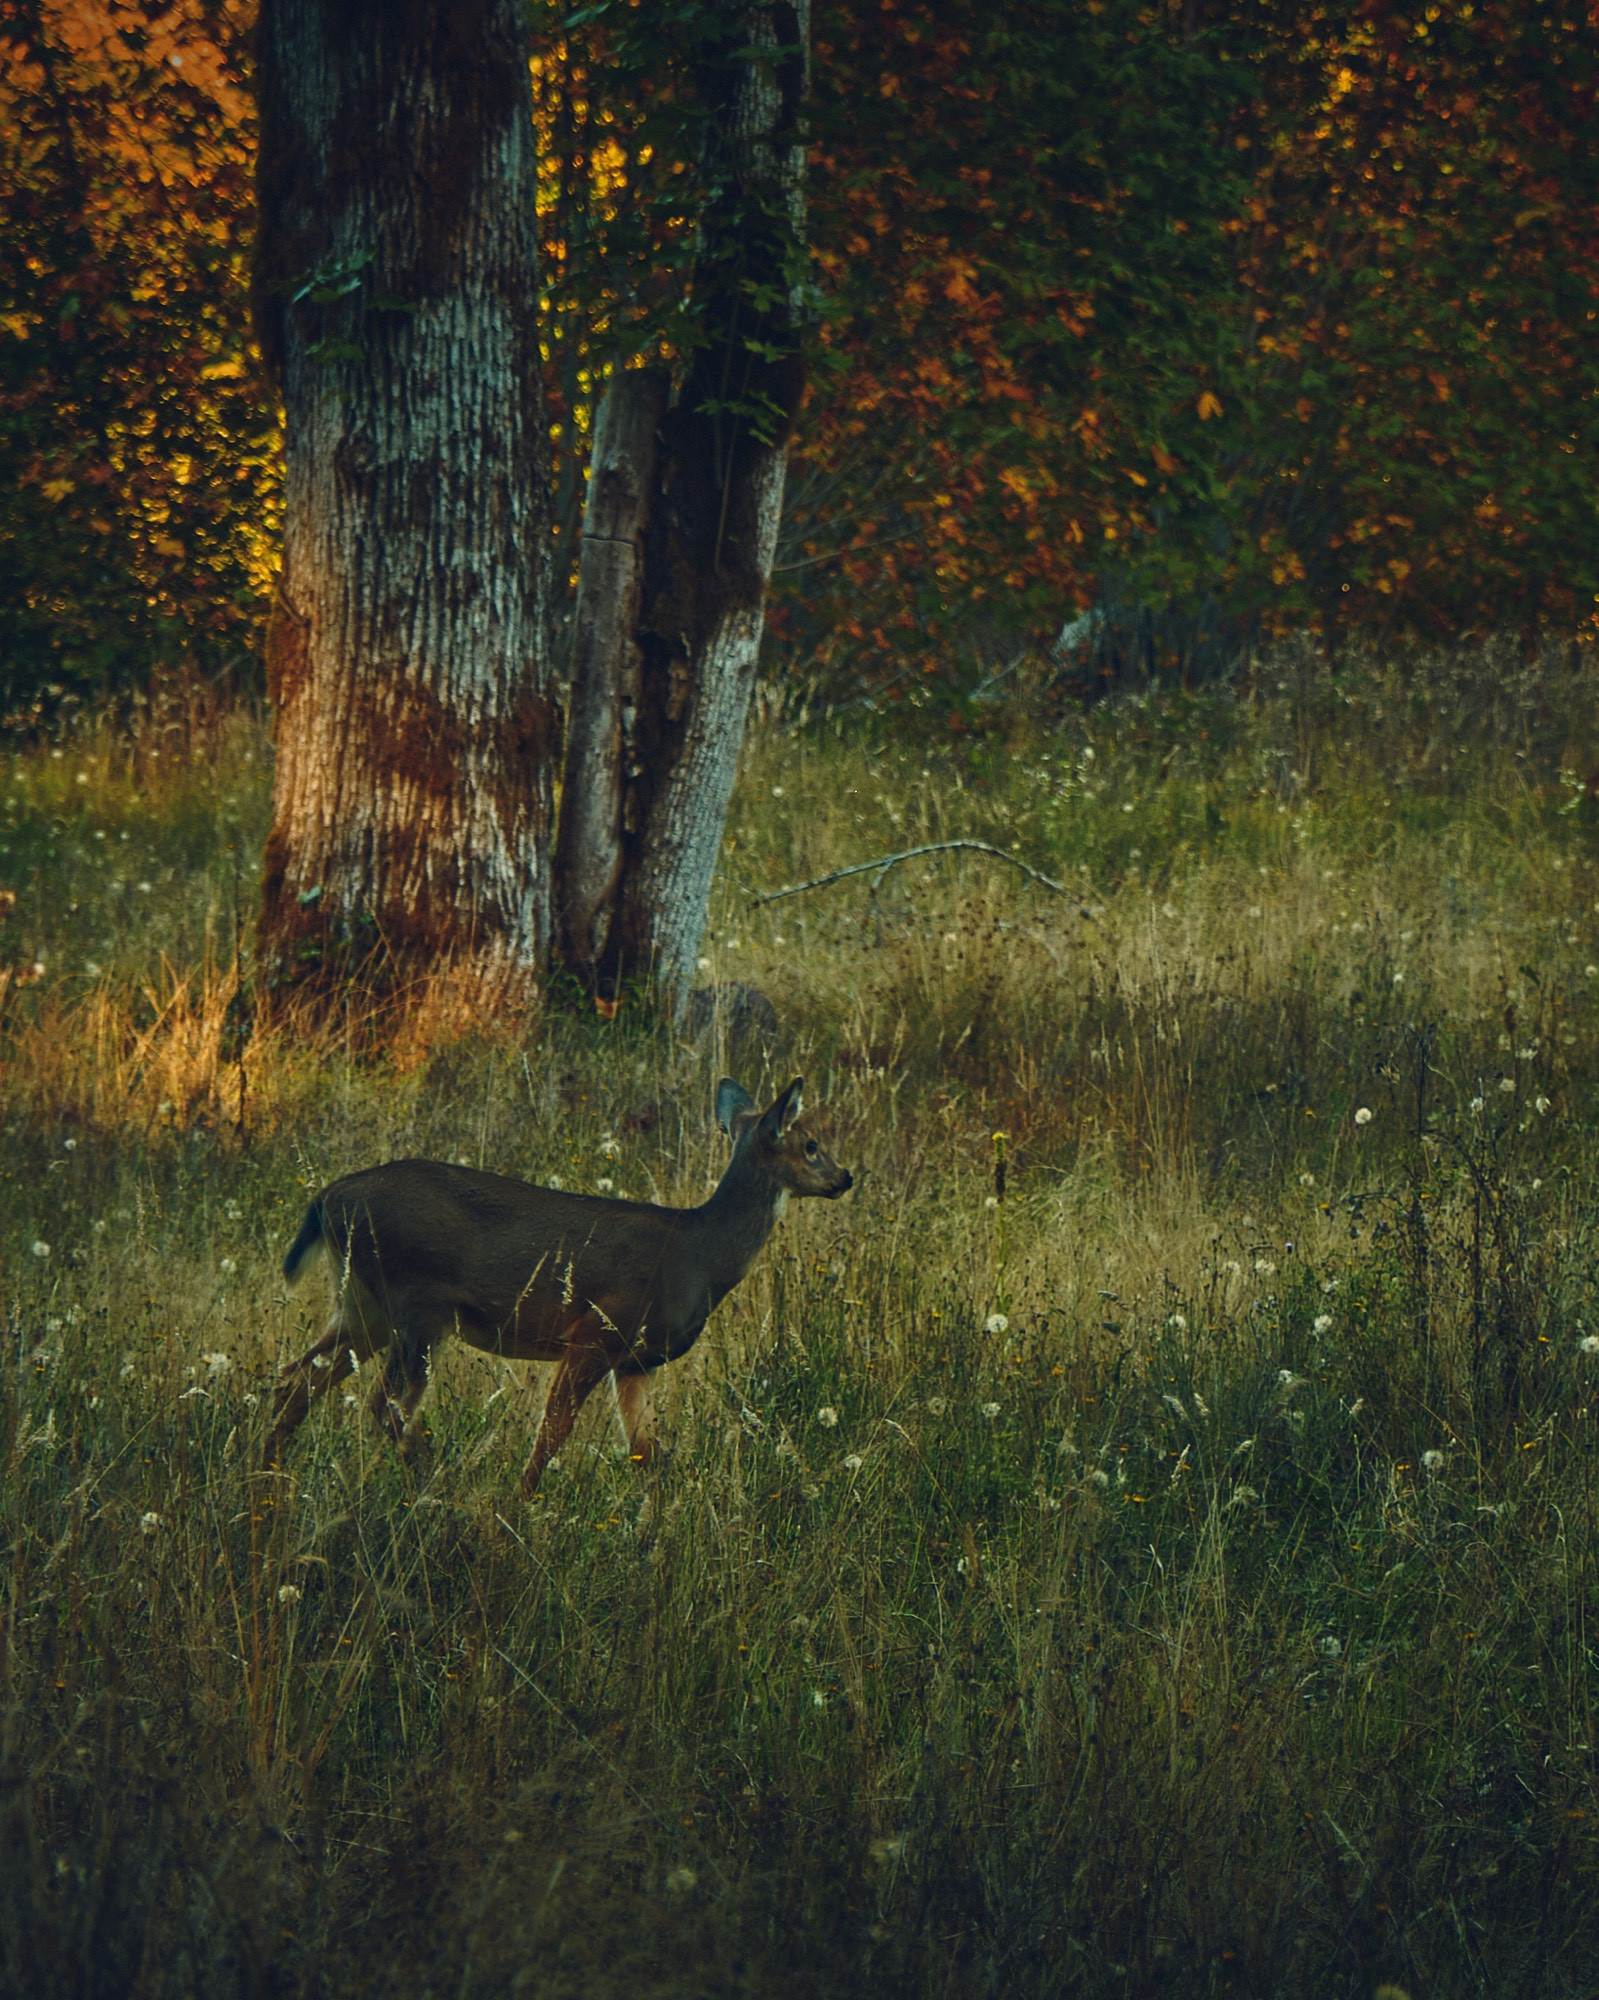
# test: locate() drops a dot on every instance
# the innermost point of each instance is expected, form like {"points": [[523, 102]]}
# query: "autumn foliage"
{"points": [[1225, 319], [138, 447], [1222, 318]]}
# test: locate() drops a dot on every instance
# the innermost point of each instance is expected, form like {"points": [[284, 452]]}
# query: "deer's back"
{"points": [[500, 1249]]}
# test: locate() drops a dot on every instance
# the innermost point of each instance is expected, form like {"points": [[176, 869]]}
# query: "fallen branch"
{"points": [[880, 867]]}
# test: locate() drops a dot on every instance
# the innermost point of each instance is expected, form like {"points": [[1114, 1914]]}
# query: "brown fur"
{"points": [[600, 1287]]}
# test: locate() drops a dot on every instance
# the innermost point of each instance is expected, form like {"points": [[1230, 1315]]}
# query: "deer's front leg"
{"points": [[582, 1368], [636, 1407]]}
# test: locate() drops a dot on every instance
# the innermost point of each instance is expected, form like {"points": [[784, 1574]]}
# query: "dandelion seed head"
{"points": [[1177, 1322], [1322, 1323], [149, 1522], [853, 1462], [996, 1323], [1363, 1116], [288, 1593], [938, 1405], [991, 1410], [1589, 1344], [39, 1247], [605, 1186], [827, 1417], [1432, 1461], [680, 1881], [216, 1364]]}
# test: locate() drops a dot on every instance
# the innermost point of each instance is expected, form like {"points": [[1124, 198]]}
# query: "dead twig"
{"points": [[879, 868]]}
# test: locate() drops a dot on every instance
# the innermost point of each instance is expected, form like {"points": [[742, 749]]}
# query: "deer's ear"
{"points": [[732, 1100], [784, 1109]]}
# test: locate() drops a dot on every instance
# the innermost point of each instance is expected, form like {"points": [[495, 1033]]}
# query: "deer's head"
{"points": [[779, 1141]]}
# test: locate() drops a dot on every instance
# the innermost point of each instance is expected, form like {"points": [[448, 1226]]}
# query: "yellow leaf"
{"points": [[56, 489], [1208, 406]]}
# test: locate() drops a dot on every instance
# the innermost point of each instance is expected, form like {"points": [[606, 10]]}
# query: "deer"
{"points": [[423, 1249]]}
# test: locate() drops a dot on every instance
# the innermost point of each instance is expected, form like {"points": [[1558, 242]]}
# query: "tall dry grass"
{"points": [[1164, 1571]]}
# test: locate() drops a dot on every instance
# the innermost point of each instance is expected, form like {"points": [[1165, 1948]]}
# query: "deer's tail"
{"points": [[312, 1237]]}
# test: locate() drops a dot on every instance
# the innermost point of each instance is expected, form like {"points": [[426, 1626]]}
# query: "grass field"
{"points": [[1163, 1567]]}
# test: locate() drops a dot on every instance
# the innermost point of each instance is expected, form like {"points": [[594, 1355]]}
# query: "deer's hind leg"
{"points": [[416, 1327], [346, 1343]]}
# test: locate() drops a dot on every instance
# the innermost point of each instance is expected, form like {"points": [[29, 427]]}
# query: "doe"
{"points": [[600, 1287]]}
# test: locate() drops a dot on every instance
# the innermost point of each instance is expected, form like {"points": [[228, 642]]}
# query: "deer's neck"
{"points": [[737, 1220]]}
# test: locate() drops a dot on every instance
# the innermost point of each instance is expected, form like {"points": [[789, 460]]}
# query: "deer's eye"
{"points": [[811, 1149]]}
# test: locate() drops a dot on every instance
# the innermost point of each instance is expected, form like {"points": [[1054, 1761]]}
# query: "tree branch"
{"points": [[880, 867]]}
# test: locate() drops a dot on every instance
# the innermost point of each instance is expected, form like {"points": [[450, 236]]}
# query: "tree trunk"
{"points": [[713, 470], [406, 657], [605, 662]]}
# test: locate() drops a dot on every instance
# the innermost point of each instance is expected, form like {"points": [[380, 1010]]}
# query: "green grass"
{"points": [[1173, 1577]]}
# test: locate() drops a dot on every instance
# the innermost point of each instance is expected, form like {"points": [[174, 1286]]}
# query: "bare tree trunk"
{"points": [[406, 657], [605, 662], [708, 534]]}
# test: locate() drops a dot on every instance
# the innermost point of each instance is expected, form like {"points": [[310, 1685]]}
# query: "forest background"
{"points": [[1222, 320]]}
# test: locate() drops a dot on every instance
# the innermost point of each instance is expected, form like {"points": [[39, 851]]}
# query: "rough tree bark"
{"points": [[406, 656], [687, 518]]}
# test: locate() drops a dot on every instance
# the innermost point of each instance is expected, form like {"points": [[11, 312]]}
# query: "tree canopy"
{"points": [[1242, 315]]}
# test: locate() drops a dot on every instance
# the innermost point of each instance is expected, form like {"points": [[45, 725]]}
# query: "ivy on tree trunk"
{"points": [[685, 499], [406, 652]]}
